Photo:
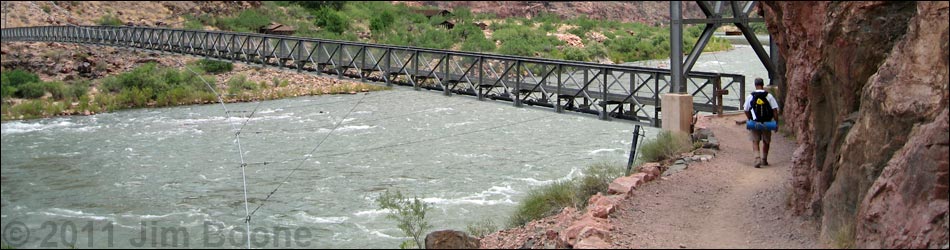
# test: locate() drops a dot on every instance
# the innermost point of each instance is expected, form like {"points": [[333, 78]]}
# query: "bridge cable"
{"points": [[307, 157]]}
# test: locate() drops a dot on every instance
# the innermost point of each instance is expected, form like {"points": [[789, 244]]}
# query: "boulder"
{"points": [[702, 133], [451, 239], [600, 206], [652, 169], [712, 143], [586, 227], [625, 185]]}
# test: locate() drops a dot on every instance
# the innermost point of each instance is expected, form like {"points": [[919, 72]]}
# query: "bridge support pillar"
{"points": [[677, 112]]}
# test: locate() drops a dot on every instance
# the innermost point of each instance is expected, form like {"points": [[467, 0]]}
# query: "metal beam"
{"points": [[698, 48], [676, 47], [757, 47], [723, 20]]}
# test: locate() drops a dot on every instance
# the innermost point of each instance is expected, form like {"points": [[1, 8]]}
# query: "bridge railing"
{"points": [[606, 90]]}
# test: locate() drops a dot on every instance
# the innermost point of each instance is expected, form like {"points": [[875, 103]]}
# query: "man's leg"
{"points": [[766, 140], [755, 136]]}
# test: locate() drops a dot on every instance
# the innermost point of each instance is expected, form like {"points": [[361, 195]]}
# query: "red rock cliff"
{"points": [[867, 98]]}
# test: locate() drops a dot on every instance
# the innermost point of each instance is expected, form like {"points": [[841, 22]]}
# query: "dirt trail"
{"points": [[723, 203]]}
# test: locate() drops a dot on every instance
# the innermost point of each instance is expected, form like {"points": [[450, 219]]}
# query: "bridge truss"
{"points": [[607, 90]]}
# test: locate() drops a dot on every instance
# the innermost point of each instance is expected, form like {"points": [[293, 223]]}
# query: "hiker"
{"points": [[760, 107]]}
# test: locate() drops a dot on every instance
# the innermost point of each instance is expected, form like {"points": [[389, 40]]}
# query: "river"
{"points": [[172, 176]]}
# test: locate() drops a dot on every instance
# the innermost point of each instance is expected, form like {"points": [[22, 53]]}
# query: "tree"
{"points": [[409, 214]]}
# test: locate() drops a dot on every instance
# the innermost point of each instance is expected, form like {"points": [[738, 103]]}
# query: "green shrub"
{"points": [[478, 43], [31, 90], [134, 97], [545, 201], [53, 108], [56, 89], [410, 216], [106, 102], [145, 76], [194, 24], [381, 21], [331, 21], [316, 5], [596, 50], [29, 109], [7, 91], [481, 228], [435, 38], [576, 54], [84, 104], [109, 20], [667, 145], [181, 95], [17, 77], [239, 84], [214, 66], [523, 41], [77, 89]]}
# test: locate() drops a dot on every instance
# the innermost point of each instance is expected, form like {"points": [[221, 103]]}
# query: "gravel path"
{"points": [[722, 203]]}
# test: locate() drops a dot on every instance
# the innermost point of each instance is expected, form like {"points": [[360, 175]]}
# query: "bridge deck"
{"points": [[607, 90]]}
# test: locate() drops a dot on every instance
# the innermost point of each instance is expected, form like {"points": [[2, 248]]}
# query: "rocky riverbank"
{"points": [[589, 227], [74, 64]]}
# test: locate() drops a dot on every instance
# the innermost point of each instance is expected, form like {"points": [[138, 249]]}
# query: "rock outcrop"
{"points": [[450, 239], [867, 98]]}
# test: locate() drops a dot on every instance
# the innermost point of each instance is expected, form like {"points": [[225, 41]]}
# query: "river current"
{"points": [[172, 176]]}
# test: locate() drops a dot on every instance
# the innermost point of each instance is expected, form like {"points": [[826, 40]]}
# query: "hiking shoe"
{"points": [[758, 162], [765, 162]]}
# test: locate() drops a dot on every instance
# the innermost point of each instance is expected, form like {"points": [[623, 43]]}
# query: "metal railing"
{"points": [[606, 90]]}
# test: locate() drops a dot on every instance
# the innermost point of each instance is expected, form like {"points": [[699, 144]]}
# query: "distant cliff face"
{"points": [[647, 12], [867, 97]]}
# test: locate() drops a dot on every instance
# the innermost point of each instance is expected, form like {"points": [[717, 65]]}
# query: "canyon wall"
{"points": [[866, 96]]}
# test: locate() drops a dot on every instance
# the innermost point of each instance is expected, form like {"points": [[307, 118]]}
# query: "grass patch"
{"points": [[596, 179], [109, 20], [246, 21], [549, 200], [667, 145], [543, 202], [481, 228]]}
